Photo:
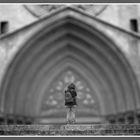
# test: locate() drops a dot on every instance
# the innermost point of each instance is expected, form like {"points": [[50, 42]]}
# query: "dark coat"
{"points": [[74, 94]]}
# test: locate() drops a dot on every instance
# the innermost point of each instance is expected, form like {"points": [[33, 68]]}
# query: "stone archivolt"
{"points": [[43, 10], [69, 42]]}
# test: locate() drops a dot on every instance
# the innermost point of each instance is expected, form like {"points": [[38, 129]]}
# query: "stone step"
{"points": [[70, 129]]}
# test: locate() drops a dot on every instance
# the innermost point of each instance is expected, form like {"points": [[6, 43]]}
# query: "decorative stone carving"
{"points": [[111, 119], [20, 120], [138, 116], [42, 10], [130, 117], [121, 118], [10, 119], [2, 120], [29, 120]]}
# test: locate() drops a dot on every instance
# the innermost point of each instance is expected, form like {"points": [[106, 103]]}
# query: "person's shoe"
{"points": [[73, 121]]}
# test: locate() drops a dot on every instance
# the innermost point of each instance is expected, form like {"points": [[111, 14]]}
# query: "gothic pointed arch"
{"points": [[68, 45]]}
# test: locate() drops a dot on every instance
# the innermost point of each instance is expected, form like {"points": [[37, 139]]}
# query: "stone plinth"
{"points": [[75, 129]]}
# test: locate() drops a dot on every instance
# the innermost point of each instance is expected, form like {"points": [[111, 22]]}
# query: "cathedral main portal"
{"points": [[68, 48]]}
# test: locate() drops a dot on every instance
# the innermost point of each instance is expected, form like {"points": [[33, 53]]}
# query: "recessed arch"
{"points": [[62, 38], [71, 64]]}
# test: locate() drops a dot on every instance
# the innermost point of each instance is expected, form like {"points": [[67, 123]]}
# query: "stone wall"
{"points": [[127, 42], [16, 15], [119, 15]]}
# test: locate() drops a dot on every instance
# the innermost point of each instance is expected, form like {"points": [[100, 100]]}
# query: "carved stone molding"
{"points": [[42, 10]]}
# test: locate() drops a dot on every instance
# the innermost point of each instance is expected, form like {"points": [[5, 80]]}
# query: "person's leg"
{"points": [[73, 114], [68, 114]]}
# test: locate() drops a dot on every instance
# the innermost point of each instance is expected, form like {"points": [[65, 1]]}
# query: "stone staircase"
{"points": [[70, 130]]}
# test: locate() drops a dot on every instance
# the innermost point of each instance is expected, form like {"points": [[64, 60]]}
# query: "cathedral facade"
{"points": [[43, 48]]}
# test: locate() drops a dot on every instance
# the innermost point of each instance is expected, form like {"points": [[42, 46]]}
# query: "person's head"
{"points": [[71, 86]]}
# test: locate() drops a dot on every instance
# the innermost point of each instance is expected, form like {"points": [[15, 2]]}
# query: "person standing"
{"points": [[71, 103]]}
